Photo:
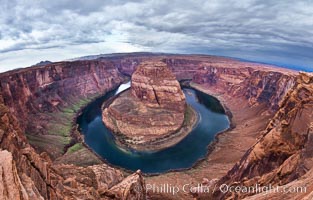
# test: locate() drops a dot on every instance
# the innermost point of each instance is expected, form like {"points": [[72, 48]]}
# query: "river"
{"points": [[184, 154]]}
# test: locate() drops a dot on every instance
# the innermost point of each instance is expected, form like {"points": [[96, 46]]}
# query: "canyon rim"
{"points": [[268, 143], [156, 100]]}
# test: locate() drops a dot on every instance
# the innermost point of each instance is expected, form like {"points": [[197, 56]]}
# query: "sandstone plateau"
{"points": [[270, 141], [152, 109]]}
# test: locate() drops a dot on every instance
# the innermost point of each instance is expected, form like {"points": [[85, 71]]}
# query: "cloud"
{"points": [[271, 31]]}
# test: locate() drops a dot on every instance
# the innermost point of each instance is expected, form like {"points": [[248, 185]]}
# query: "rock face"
{"points": [[131, 187], [24, 174], [154, 84], [154, 108], [46, 98], [31, 99], [11, 186], [284, 152]]}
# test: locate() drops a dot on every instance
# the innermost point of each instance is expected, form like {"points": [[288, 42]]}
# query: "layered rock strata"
{"points": [[284, 152], [45, 99], [154, 84], [24, 174], [153, 108], [32, 98]]}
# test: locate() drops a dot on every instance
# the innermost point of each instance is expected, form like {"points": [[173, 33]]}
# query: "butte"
{"points": [[151, 115]]}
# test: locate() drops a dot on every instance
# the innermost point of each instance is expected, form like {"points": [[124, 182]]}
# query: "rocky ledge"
{"points": [[153, 109], [271, 142]]}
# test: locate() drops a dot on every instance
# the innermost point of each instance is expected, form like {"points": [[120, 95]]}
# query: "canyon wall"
{"points": [[46, 99], [47, 89], [256, 85], [284, 152], [25, 174], [41, 102], [259, 83]]}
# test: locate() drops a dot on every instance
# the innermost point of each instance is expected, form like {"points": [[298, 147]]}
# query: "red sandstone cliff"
{"points": [[45, 99], [29, 99], [284, 152], [154, 84], [28, 175]]}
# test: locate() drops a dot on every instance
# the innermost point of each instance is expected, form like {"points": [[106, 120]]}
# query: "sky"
{"points": [[279, 32]]}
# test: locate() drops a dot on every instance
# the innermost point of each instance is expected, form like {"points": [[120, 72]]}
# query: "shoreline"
{"points": [[158, 144], [226, 149], [164, 142], [75, 138]]}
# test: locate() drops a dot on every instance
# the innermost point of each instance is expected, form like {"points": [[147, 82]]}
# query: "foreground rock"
{"points": [[284, 151], [11, 186], [25, 175], [133, 187], [153, 109], [253, 92]]}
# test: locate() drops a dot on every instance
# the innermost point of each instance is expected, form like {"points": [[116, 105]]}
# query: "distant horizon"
{"points": [[274, 32], [275, 64]]}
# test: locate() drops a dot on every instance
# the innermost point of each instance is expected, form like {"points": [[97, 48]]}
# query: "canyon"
{"points": [[43, 155]]}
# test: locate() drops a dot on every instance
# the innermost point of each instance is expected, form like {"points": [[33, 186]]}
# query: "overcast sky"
{"points": [[277, 31]]}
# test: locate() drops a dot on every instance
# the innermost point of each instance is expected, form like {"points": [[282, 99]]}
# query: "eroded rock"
{"points": [[152, 109], [284, 153], [11, 186], [131, 188], [154, 84]]}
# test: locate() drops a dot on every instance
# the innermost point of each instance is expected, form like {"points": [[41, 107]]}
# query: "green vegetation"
{"points": [[210, 102], [189, 115], [61, 122], [59, 127], [52, 144], [74, 148]]}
